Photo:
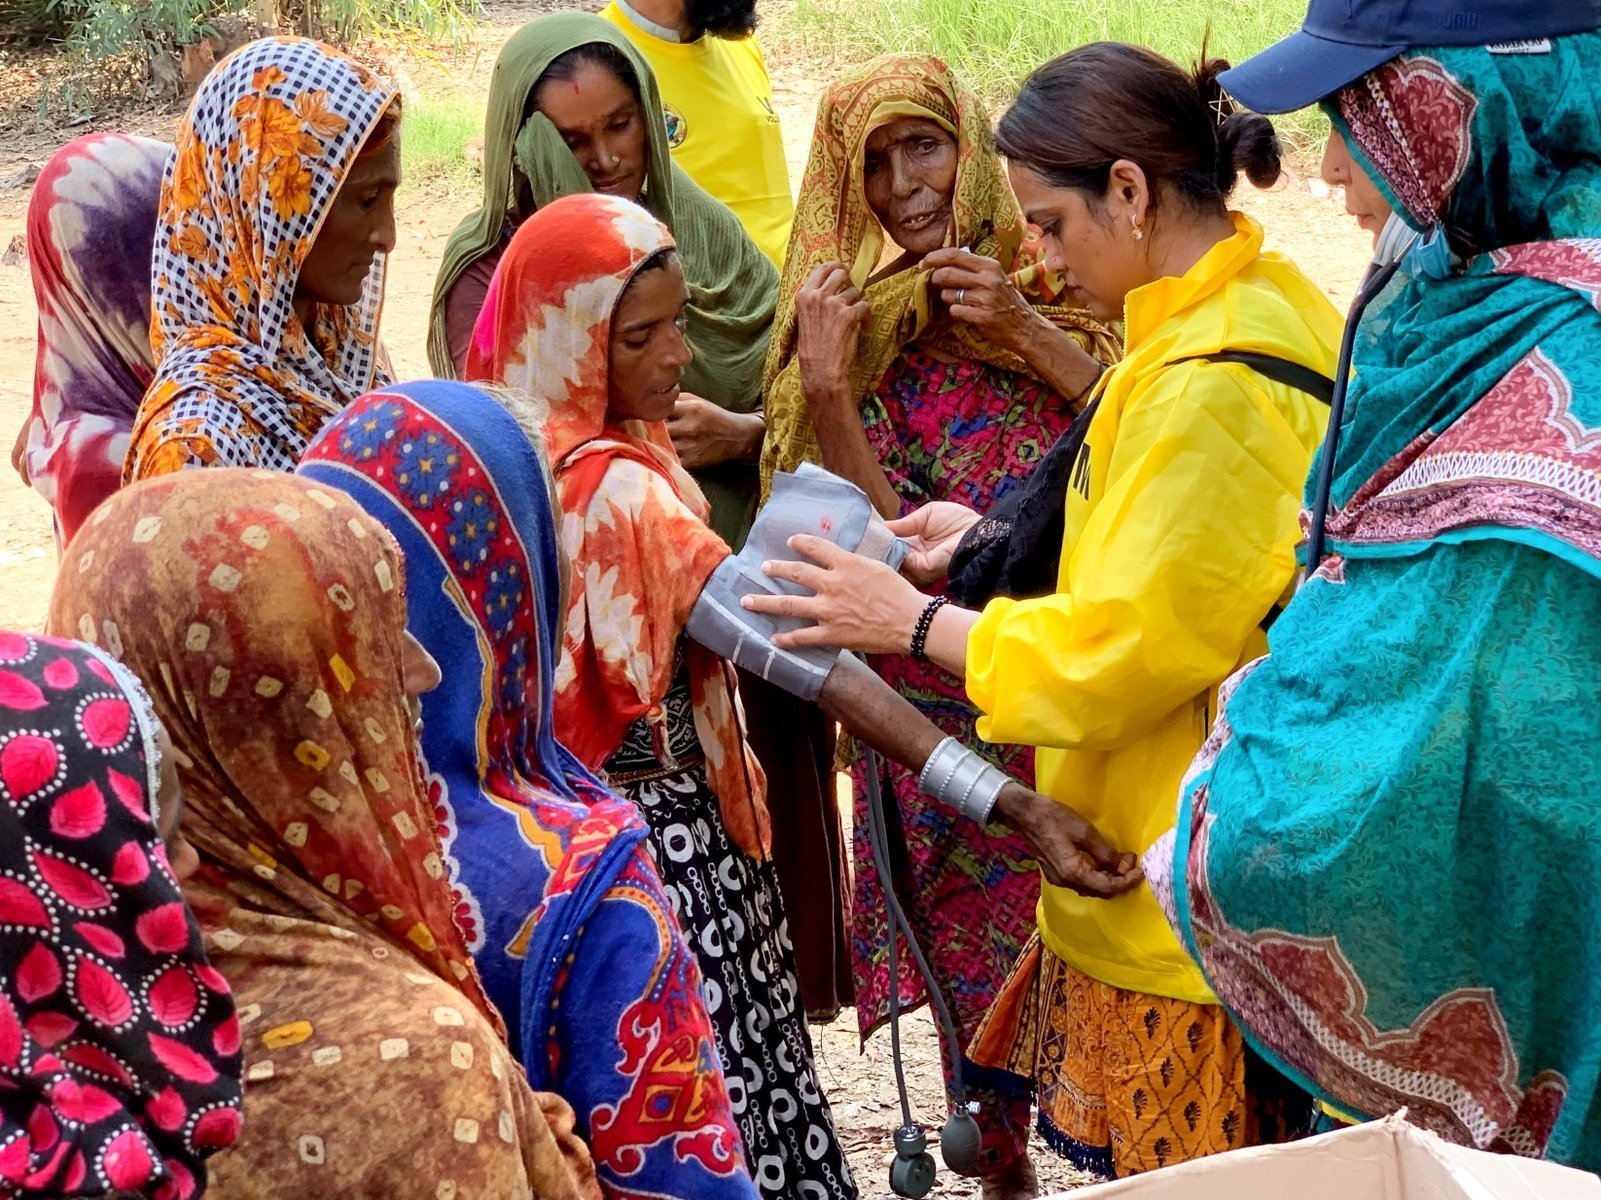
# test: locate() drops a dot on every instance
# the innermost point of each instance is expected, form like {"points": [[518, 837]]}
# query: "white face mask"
{"points": [[1395, 239]]}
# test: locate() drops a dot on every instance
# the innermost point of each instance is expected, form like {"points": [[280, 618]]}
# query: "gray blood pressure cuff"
{"points": [[809, 501]]}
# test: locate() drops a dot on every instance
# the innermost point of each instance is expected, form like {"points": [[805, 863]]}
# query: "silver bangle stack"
{"points": [[959, 778]]}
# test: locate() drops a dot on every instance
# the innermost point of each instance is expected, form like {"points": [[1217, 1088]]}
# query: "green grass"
{"points": [[993, 44], [432, 136]]}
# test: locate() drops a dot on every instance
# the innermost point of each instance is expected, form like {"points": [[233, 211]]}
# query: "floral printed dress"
{"points": [[968, 432]]}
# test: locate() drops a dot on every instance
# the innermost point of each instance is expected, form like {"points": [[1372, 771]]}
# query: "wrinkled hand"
{"points": [[934, 531], [830, 316], [705, 435], [858, 603], [1071, 852], [978, 292], [19, 453]]}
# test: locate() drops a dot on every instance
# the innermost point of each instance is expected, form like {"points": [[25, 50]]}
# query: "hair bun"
{"points": [[1248, 142], [1245, 141]]}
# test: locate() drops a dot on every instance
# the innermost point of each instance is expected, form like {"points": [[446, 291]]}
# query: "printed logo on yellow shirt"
{"points": [[772, 113], [1081, 471], [677, 127]]}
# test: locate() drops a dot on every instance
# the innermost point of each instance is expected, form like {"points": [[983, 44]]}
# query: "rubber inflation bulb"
{"points": [[959, 1143], [912, 1173]]}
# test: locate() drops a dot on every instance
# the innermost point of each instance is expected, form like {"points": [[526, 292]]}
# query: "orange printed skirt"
{"points": [[1127, 1082]]}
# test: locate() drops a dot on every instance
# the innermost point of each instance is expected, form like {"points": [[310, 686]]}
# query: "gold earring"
{"points": [[1139, 234]]}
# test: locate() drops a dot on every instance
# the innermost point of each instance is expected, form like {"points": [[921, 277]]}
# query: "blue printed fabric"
{"points": [[556, 893]]}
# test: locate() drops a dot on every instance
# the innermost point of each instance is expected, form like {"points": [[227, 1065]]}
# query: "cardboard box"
{"points": [[1382, 1160]]}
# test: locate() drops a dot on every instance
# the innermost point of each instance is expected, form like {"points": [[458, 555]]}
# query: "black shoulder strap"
{"points": [[1280, 370]]}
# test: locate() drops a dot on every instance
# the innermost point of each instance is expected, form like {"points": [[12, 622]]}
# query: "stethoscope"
{"points": [[911, 1173], [1395, 242]]}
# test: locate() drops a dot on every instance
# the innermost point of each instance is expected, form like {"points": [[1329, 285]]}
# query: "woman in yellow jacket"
{"points": [[1177, 540]]}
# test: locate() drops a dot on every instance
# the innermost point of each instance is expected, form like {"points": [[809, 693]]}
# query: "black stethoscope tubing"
{"points": [[1372, 284]]}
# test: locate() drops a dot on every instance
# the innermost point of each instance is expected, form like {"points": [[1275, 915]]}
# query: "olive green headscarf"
{"points": [[733, 286]]}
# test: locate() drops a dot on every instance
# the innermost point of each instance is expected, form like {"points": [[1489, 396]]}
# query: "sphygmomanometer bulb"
{"points": [[959, 1142], [911, 1174]]}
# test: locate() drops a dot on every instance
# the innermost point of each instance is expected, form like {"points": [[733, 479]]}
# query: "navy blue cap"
{"points": [[1342, 40]]}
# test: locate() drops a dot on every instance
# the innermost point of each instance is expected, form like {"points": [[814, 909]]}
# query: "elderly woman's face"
{"points": [[909, 175], [360, 225], [1092, 249], [1363, 200], [600, 119]]}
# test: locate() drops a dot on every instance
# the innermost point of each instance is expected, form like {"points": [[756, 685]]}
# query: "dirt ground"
{"points": [[1302, 218]]}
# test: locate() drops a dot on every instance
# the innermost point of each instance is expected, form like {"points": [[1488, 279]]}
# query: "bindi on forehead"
{"points": [[589, 98]]}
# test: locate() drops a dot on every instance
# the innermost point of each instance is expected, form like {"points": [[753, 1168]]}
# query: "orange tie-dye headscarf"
{"points": [[634, 522]]}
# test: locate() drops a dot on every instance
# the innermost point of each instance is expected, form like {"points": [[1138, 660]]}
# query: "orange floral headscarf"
{"points": [[634, 523], [266, 616], [271, 135]]}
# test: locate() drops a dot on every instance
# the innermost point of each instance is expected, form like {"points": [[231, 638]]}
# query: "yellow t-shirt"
{"points": [[722, 126], [1181, 526]]}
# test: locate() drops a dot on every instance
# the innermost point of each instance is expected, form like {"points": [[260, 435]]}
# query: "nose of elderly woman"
{"points": [[1363, 199], [383, 236], [422, 673], [905, 180]]}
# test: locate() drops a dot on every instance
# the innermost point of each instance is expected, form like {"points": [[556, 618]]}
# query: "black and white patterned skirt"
{"points": [[729, 909]]}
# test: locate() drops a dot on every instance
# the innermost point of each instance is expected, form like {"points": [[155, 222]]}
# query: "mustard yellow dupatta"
{"points": [[834, 224]]}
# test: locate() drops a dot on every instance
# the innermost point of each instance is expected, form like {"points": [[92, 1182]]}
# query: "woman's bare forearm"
{"points": [[1060, 362], [877, 715], [946, 644], [846, 452], [1070, 850]]}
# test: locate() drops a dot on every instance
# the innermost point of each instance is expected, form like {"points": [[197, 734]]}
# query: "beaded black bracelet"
{"points": [[924, 621]]}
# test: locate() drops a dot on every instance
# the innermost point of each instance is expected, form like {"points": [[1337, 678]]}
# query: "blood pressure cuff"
{"points": [[809, 501]]}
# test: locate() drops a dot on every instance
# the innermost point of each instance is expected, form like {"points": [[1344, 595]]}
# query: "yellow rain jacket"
{"points": [[1182, 523]]}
